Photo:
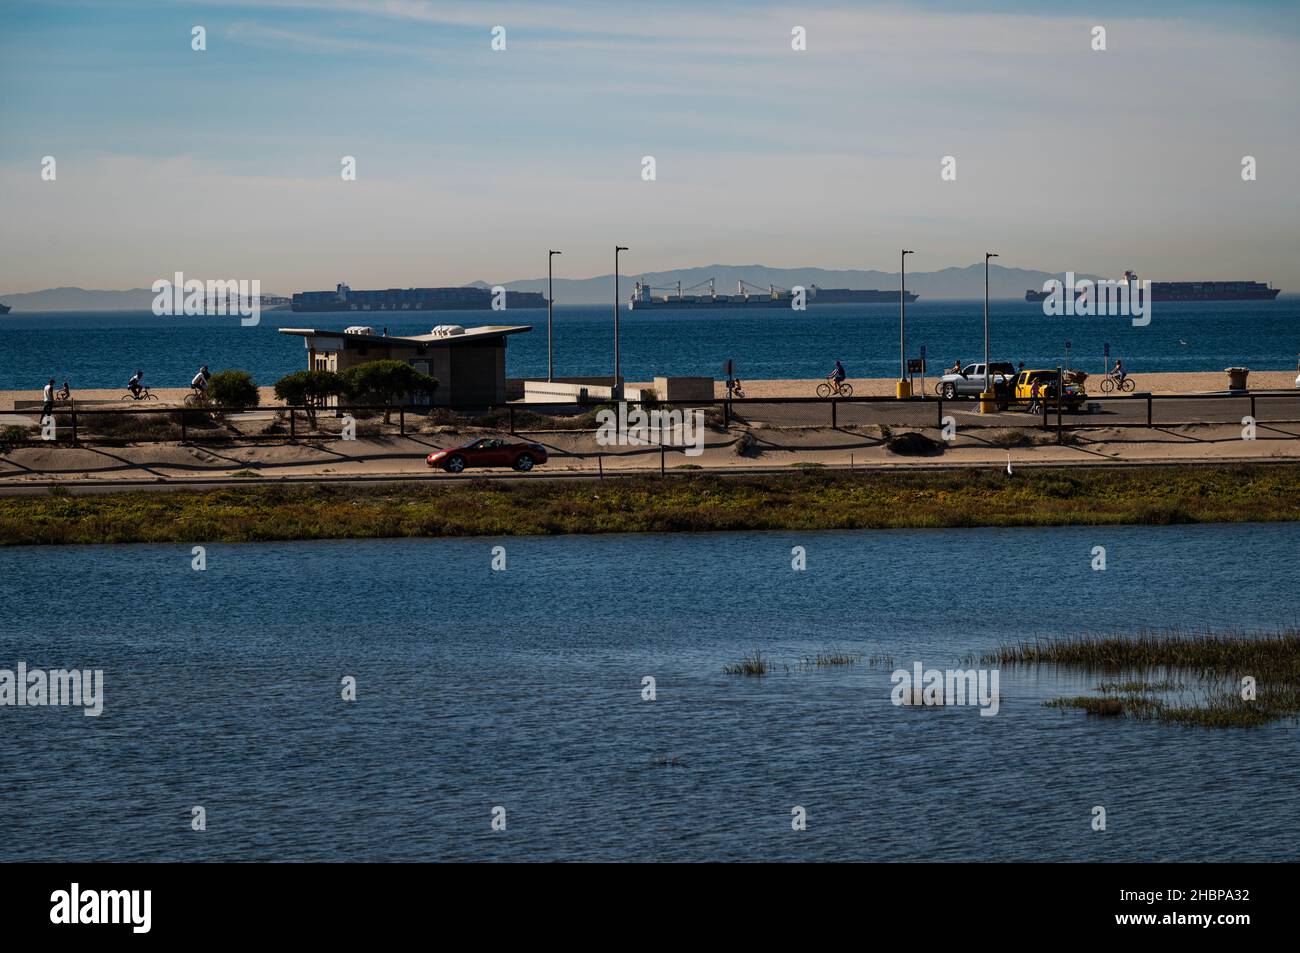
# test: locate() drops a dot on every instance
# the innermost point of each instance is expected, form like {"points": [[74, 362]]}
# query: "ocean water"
{"points": [[103, 349], [522, 689]]}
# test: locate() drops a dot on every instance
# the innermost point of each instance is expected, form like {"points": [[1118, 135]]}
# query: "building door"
{"points": [[421, 399]]}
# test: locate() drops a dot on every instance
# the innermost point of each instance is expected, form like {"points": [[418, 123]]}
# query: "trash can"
{"points": [[1237, 377]]}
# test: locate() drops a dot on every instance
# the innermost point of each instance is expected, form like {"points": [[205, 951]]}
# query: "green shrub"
{"points": [[310, 389], [12, 436], [913, 444], [233, 390], [385, 381]]}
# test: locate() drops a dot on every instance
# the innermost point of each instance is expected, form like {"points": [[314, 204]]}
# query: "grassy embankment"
{"points": [[796, 501], [1194, 679]]}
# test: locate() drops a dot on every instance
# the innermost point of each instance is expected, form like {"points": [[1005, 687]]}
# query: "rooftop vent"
{"points": [[446, 330], [359, 329]]}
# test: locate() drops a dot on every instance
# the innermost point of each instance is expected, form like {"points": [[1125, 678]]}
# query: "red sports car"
{"points": [[488, 452]]}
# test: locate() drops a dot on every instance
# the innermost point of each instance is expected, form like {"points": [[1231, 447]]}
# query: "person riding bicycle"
{"points": [[135, 385], [1034, 394], [956, 367], [64, 394], [734, 389], [1119, 373], [837, 375], [200, 382]]}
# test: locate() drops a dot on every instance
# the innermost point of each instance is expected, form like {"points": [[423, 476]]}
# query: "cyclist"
{"points": [[1034, 405], [200, 382], [1119, 373], [135, 385], [64, 394], [836, 376]]}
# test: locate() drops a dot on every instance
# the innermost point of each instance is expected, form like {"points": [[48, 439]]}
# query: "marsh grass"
{"points": [[689, 502], [829, 659], [1230, 650], [759, 664], [1213, 665], [756, 664], [1102, 707]]}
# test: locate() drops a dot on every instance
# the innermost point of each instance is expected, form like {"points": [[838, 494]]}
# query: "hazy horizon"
{"points": [[471, 163]]}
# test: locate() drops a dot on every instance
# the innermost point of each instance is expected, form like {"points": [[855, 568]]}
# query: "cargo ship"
{"points": [[644, 296], [1192, 290], [343, 298]]}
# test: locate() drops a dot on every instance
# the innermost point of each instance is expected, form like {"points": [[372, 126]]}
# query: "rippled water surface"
{"points": [[522, 689], [104, 348]]}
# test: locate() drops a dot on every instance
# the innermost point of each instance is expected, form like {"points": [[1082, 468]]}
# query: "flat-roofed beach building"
{"points": [[469, 363]]}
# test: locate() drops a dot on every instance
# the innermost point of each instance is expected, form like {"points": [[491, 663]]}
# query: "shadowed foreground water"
{"points": [[523, 689]]}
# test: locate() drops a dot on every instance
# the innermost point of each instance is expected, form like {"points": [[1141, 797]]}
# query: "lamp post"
{"points": [[904, 388], [550, 300], [618, 380], [986, 398]]}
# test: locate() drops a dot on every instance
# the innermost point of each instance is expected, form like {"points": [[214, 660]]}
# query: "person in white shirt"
{"points": [[200, 382], [47, 396]]}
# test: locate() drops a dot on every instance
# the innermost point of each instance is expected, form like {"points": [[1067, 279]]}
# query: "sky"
{"points": [[472, 162]]}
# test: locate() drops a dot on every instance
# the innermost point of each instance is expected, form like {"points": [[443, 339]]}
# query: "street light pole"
{"points": [[903, 389], [550, 300], [984, 400], [618, 380]]}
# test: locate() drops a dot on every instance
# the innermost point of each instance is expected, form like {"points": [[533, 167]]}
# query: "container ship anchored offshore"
{"points": [[1192, 290], [644, 296], [343, 298]]}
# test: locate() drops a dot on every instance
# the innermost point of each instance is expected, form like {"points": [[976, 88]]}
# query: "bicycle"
{"points": [[832, 389], [734, 391], [1112, 383], [196, 398], [142, 395]]}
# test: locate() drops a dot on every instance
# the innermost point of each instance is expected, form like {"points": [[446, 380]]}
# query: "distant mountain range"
{"points": [[80, 299], [946, 283], [83, 299]]}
